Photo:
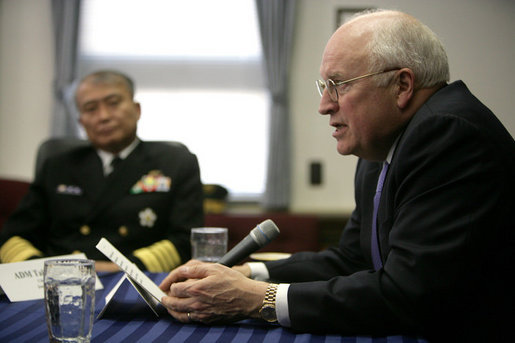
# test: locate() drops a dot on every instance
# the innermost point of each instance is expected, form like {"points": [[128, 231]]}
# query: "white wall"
{"points": [[478, 35], [26, 69]]}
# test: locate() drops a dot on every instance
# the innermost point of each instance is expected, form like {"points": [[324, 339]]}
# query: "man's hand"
{"points": [[244, 269], [211, 292], [105, 266]]}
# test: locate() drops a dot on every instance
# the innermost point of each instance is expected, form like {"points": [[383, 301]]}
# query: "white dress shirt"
{"points": [[107, 157]]}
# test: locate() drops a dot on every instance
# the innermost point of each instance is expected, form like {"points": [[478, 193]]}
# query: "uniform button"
{"points": [[123, 231], [85, 230]]}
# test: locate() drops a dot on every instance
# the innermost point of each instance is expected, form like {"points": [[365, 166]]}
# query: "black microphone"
{"points": [[260, 236]]}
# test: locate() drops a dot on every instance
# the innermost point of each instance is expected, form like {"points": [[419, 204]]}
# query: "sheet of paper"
{"points": [[23, 281], [110, 295], [149, 299], [130, 269]]}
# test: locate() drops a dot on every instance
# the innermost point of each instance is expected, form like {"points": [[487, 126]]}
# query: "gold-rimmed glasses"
{"points": [[331, 85]]}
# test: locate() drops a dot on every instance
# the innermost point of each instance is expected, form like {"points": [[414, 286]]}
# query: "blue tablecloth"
{"points": [[128, 319]]}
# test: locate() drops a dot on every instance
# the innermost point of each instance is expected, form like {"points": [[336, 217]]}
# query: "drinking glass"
{"points": [[208, 244], [69, 286]]}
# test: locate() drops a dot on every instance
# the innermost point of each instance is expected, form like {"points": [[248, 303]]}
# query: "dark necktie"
{"points": [[376, 256], [115, 162]]}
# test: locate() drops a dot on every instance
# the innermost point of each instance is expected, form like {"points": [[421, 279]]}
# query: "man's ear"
{"points": [[138, 109], [406, 83]]}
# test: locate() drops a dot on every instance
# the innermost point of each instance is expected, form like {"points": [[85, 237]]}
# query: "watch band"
{"points": [[268, 311], [270, 294]]}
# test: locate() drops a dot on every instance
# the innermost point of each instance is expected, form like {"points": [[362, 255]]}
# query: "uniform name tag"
{"points": [[69, 189]]}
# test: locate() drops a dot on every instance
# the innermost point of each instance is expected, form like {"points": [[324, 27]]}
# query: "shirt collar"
{"points": [[389, 157], [107, 157]]}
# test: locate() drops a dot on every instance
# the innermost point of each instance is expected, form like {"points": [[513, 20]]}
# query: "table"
{"points": [[128, 319]]}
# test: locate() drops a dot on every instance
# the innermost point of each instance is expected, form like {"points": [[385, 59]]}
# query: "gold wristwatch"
{"points": [[267, 310]]}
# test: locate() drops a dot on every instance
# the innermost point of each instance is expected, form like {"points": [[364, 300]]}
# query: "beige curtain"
{"points": [[276, 20]]}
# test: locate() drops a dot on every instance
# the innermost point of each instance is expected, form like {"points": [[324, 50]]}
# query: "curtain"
{"points": [[65, 17], [276, 21]]}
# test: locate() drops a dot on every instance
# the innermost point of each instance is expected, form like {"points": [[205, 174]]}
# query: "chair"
{"points": [[54, 146], [11, 193], [215, 198]]}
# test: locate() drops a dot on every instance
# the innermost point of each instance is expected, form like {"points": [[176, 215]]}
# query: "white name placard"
{"points": [[23, 281]]}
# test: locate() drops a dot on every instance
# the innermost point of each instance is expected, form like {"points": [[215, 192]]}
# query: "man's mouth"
{"points": [[339, 129], [105, 130]]}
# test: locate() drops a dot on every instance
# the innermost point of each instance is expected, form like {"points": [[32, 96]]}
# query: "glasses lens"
{"points": [[331, 88], [320, 87]]}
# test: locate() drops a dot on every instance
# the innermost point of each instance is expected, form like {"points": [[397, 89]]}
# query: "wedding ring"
{"points": [[189, 316]]}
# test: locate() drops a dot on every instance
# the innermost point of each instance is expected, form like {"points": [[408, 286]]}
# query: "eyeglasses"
{"points": [[331, 85]]}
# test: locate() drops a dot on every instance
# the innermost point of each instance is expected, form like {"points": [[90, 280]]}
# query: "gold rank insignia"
{"points": [[123, 231], [154, 181], [85, 230], [147, 217]]}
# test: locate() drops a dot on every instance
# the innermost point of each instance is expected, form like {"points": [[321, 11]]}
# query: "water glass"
{"points": [[69, 286], [208, 244]]}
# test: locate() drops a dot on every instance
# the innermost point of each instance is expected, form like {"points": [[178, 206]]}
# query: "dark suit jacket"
{"points": [[71, 205], [446, 231]]}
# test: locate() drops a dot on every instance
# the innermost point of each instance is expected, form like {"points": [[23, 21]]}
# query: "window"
{"points": [[197, 65]]}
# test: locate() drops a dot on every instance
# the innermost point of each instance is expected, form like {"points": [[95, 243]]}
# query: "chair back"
{"points": [[11, 193], [54, 146]]}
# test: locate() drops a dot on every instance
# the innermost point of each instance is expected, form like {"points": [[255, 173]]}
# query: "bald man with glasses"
{"points": [[428, 249]]}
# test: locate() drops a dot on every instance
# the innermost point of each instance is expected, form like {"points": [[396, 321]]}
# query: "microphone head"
{"points": [[264, 232]]}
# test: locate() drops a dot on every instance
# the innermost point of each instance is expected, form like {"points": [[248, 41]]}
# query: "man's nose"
{"points": [[103, 112], [327, 105]]}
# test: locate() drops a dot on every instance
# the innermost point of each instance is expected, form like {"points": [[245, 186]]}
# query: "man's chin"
{"points": [[111, 146], [343, 150], [112, 143]]}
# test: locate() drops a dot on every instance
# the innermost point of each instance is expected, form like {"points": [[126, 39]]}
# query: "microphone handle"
{"points": [[240, 251]]}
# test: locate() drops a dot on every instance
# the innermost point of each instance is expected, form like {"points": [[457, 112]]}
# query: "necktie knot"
{"points": [[115, 162]]}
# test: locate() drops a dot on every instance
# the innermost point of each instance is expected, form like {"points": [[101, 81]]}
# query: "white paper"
{"points": [[110, 295], [146, 296], [130, 269], [149, 299], [23, 281]]}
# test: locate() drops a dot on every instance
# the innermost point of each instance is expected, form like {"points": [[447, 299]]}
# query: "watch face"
{"points": [[268, 313]]}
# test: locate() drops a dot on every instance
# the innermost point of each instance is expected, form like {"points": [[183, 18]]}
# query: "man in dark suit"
{"points": [[428, 249], [145, 203]]}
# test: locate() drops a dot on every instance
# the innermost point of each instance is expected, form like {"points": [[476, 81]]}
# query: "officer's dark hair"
{"points": [[110, 76]]}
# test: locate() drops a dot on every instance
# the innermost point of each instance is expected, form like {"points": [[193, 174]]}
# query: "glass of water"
{"points": [[208, 244], [69, 299]]}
